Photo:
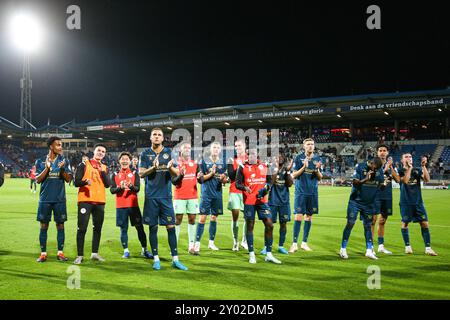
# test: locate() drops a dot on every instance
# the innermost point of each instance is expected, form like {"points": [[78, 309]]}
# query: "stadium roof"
{"points": [[283, 112], [345, 109]]}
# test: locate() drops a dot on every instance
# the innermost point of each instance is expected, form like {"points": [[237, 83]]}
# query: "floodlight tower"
{"points": [[26, 33], [25, 95]]}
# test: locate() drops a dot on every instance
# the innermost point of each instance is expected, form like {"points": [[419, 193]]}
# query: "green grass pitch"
{"points": [[223, 274]]}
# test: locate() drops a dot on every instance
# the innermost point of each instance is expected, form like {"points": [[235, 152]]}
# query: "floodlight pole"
{"points": [[25, 97]]}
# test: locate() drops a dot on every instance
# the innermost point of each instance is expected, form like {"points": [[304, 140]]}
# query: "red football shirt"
{"points": [[127, 198], [33, 174], [187, 188], [236, 163], [255, 177]]}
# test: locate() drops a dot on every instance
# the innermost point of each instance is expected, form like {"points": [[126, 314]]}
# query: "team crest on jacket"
{"points": [[191, 164], [165, 156], [260, 167], [130, 175]]}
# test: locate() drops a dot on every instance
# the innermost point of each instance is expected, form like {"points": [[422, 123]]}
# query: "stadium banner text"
{"points": [[308, 111]]}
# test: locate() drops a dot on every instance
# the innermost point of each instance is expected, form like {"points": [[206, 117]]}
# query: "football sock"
{"points": [[380, 241], [368, 234], [426, 237], [191, 233], [124, 236], [244, 234], [249, 237], [297, 225], [346, 234], [405, 235], [235, 230], [283, 232], [177, 231], [171, 234], [268, 241], [200, 229], [306, 229], [43, 239], [212, 230], [154, 239], [60, 236], [142, 236]]}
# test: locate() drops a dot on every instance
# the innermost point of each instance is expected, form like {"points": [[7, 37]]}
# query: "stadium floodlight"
{"points": [[297, 118], [227, 123], [120, 131], [169, 128], [260, 121], [440, 110], [26, 32], [386, 113], [339, 116]]}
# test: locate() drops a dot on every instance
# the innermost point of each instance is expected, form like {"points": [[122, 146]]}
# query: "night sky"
{"points": [[145, 57]]}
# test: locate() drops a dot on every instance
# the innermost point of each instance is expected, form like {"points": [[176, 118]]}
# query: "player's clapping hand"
{"points": [[88, 181], [156, 162], [389, 164], [424, 161], [170, 164], [305, 163], [407, 165], [48, 164], [223, 179], [318, 165], [182, 170], [213, 168], [199, 175], [61, 163], [370, 175]]}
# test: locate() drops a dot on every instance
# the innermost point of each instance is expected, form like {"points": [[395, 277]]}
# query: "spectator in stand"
{"points": [[441, 165]]}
